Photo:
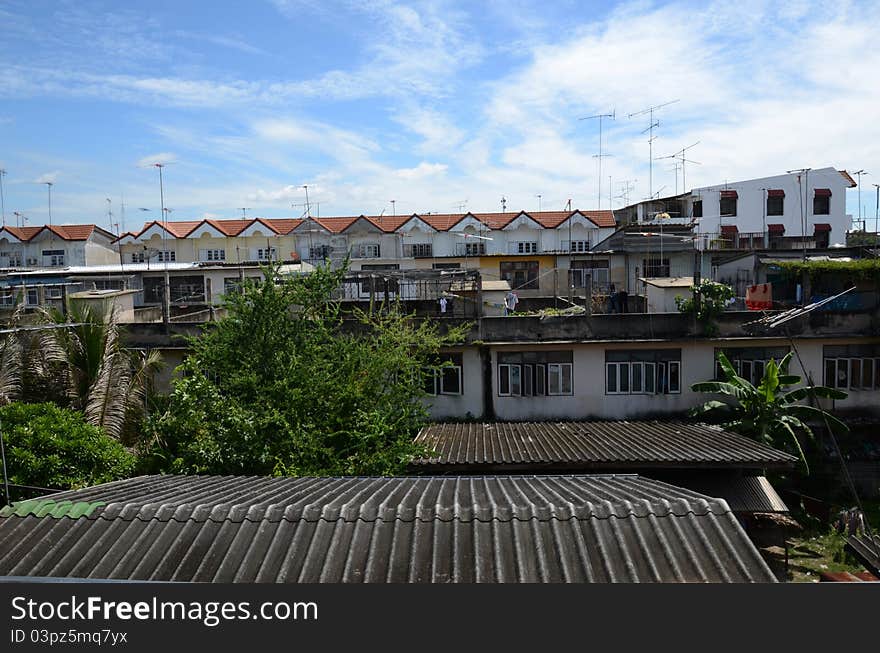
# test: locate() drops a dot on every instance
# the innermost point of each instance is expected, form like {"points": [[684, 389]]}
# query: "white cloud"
{"points": [[421, 171], [47, 178], [159, 157]]}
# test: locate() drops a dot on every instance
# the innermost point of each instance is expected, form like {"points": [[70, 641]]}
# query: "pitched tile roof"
{"points": [[387, 223], [64, 231], [405, 529]]}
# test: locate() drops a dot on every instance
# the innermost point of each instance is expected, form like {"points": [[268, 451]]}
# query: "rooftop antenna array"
{"points": [[109, 213], [244, 210], [627, 186], [652, 124], [600, 117], [308, 206], [680, 158]]}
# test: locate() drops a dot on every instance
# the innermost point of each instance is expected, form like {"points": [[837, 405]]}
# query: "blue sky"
{"points": [[436, 104]]}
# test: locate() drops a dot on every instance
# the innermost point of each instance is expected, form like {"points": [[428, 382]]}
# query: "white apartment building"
{"points": [[778, 212]]}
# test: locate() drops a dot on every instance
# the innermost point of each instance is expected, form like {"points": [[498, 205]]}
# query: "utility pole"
{"points": [[650, 129], [166, 299], [49, 185], [2, 199], [600, 116], [877, 208], [859, 174], [393, 207]]}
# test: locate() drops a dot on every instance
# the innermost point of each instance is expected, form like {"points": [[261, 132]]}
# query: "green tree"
{"points": [[706, 303], [769, 413], [85, 367], [48, 446], [284, 385]]}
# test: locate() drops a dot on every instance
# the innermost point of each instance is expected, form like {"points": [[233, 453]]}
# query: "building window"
{"points": [[520, 274], [470, 249], [822, 201], [852, 367], [137, 257], [775, 202], [418, 250], [267, 254], [698, 209], [535, 374], [32, 297], [594, 270], [642, 371], [749, 362], [379, 283], [576, 246], [446, 379], [365, 250], [727, 206], [655, 267], [319, 252], [213, 254], [167, 256], [53, 257], [525, 247]]}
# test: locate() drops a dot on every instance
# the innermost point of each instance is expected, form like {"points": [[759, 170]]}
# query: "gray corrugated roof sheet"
{"points": [[410, 529], [592, 446], [743, 494]]}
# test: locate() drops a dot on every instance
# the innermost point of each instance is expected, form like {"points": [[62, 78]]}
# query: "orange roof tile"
{"points": [[496, 220], [282, 226], [388, 223], [335, 225], [442, 221]]}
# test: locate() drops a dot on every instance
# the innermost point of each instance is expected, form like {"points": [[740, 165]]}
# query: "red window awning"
{"points": [[728, 195], [823, 192], [776, 229], [729, 229], [775, 192], [821, 227]]}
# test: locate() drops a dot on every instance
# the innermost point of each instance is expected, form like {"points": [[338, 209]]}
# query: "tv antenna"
{"points": [[461, 205], [244, 210], [600, 117], [503, 204], [308, 205], [539, 202], [110, 213], [652, 124], [680, 157]]}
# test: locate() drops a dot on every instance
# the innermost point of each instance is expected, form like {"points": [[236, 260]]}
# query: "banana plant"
{"points": [[769, 412]]}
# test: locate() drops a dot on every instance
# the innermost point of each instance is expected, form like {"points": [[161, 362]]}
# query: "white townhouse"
{"points": [[56, 246]]}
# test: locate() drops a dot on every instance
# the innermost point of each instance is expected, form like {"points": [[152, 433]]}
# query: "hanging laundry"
{"points": [[760, 297]]}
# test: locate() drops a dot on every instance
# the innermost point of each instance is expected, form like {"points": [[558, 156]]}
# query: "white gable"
{"points": [[127, 239], [578, 219], [416, 224], [471, 222], [257, 228], [155, 230], [9, 236], [522, 221], [362, 225], [309, 225], [206, 230]]}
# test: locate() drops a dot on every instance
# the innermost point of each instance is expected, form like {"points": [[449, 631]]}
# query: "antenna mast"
{"points": [[2, 200], [599, 156], [650, 129]]}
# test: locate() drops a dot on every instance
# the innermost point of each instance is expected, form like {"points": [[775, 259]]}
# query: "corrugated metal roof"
{"points": [[742, 493], [592, 445], [409, 529]]}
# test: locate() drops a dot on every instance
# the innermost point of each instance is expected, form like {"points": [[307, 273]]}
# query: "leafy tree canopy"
{"points": [[48, 446], [713, 297], [284, 385], [768, 412]]}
